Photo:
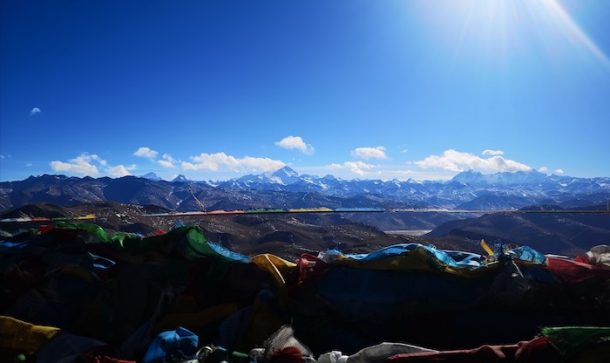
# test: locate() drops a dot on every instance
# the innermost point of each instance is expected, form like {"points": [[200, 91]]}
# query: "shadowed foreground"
{"points": [[96, 295]]}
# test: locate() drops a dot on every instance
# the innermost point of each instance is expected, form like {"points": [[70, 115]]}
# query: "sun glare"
{"points": [[501, 29], [574, 31]]}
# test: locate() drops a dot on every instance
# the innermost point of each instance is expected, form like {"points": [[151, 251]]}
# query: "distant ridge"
{"points": [[151, 176], [285, 188], [180, 179], [560, 233]]}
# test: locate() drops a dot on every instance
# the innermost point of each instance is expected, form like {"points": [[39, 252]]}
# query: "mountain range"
{"points": [[285, 188]]}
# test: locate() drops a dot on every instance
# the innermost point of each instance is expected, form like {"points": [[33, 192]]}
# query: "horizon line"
{"points": [[143, 176]]}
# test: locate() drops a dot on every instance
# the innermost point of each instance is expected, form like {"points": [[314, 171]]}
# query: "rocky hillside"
{"points": [[568, 234]]}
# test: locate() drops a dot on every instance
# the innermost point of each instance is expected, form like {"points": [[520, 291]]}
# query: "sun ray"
{"points": [[575, 31]]}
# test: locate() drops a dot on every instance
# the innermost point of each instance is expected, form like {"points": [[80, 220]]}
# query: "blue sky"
{"points": [[366, 89]]}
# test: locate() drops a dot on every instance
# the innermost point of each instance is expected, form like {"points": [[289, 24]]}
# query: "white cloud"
{"points": [[295, 143], [90, 165], [167, 161], [120, 170], [35, 111], [362, 170], [404, 151], [370, 152], [559, 171], [355, 167], [84, 164], [489, 152], [543, 169], [457, 161], [218, 161], [146, 152]]}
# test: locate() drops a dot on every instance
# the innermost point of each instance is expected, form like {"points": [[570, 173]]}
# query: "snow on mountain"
{"points": [[180, 179], [467, 190], [285, 176], [151, 176]]}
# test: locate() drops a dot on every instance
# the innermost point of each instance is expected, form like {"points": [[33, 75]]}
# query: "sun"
{"points": [[501, 29]]}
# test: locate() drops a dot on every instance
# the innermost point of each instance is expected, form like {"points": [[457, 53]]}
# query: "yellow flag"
{"points": [[486, 247]]}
